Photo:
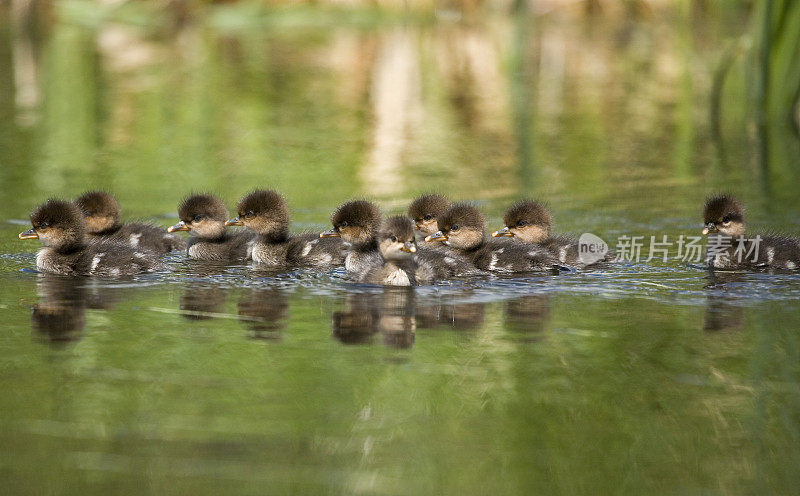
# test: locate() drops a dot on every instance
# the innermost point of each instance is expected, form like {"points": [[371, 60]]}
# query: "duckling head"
{"points": [[100, 211], [265, 212], [56, 223], [462, 226], [203, 214], [424, 211], [528, 221], [356, 222], [396, 238], [723, 214]]}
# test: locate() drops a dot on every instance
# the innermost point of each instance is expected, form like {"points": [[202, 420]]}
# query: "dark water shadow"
{"points": [[59, 316], [388, 314], [264, 312]]}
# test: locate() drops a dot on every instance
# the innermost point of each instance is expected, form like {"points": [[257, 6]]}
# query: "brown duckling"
{"points": [[423, 211], [101, 214], [205, 216], [60, 227], [357, 223], [404, 265], [266, 213], [397, 247], [529, 222], [732, 248], [462, 227]]}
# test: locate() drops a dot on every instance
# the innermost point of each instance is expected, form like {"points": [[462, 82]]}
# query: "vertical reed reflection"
{"points": [[523, 91]]}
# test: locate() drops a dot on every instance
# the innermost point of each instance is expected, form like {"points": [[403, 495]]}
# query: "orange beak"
{"points": [[437, 236], [180, 226], [29, 234]]}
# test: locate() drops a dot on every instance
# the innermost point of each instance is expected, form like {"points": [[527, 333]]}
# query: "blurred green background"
{"points": [[651, 378]]}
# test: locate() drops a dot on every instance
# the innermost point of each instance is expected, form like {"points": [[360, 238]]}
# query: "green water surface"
{"points": [[644, 378]]}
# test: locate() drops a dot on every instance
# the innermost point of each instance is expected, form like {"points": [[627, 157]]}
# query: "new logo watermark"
{"points": [[591, 248]]}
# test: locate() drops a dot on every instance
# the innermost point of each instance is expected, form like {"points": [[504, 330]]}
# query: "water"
{"points": [[646, 378]]}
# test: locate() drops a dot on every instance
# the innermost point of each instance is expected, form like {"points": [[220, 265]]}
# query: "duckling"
{"points": [[101, 214], [463, 227], [266, 213], [205, 216], [60, 227], [404, 265], [357, 223], [397, 247], [731, 248], [529, 222], [423, 211]]}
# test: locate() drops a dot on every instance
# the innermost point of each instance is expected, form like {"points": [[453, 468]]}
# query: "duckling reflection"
{"points": [[264, 311], [458, 316], [59, 316], [528, 314], [722, 314], [397, 323], [201, 301], [389, 313]]}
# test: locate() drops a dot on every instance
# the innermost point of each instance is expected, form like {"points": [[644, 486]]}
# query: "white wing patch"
{"points": [[307, 248], [770, 254], [135, 239], [790, 265], [493, 263], [562, 254], [96, 260]]}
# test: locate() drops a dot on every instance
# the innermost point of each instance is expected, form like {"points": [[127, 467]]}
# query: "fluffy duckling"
{"points": [[266, 213], [397, 247], [529, 222], [357, 223], [462, 227], [101, 215], [404, 265], [423, 211], [60, 227], [205, 216], [732, 248]]}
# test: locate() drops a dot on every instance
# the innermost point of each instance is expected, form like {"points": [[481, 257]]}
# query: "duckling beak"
{"points": [[333, 233], [180, 226], [437, 236], [409, 247], [234, 222], [710, 228], [502, 232], [29, 234]]}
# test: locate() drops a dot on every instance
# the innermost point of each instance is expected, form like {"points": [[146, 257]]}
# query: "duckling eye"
{"points": [[726, 219], [42, 225], [343, 224], [454, 227], [427, 217], [394, 239], [521, 223], [197, 218], [249, 213]]}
